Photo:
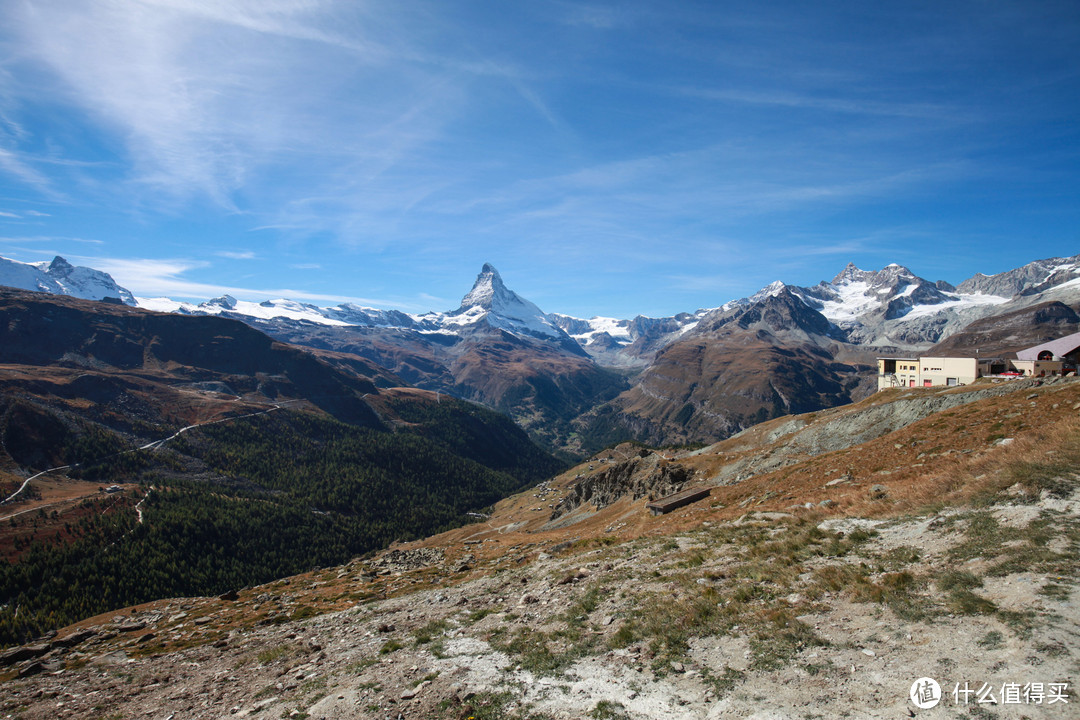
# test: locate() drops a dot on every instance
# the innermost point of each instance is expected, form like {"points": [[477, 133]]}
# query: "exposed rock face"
{"points": [[1033, 277], [405, 560], [648, 475]]}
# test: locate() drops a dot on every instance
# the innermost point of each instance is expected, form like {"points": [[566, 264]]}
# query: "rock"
{"points": [[74, 638], [23, 652], [33, 668]]}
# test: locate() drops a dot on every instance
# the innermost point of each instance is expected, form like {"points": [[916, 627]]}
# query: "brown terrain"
{"points": [[740, 367], [840, 556]]}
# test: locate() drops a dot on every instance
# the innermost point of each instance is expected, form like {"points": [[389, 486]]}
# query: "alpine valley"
{"points": [[266, 439]]}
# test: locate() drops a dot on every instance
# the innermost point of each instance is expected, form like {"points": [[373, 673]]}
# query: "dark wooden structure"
{"points": [[671, 502]]}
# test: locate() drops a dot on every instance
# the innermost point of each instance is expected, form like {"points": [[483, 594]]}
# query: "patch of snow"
{"points": [[164, 304], [851, 301], [960, 303]]}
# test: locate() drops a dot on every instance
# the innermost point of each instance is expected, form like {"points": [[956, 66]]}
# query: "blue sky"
{"points": [[609, 158]]}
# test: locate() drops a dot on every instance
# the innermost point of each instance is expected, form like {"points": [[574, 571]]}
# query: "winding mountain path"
{"points": [[156, 444]]}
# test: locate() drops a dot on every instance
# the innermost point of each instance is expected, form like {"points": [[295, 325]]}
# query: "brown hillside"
{"points": [[840, 556]]}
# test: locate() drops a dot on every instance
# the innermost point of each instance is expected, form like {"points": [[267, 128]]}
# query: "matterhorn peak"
{"points": [[488, 291]]}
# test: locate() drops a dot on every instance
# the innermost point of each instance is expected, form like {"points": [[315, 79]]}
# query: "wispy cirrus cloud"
{"points": [[19, 166], [204, 93]]}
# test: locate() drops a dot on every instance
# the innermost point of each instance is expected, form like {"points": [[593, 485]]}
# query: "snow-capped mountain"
{"points": [[59, 277], [892, 307], [489, 304], [895, 307], [626, 343], [1036, 277]]}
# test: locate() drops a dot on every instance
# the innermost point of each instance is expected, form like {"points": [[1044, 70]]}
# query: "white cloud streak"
{"points": [[147, 277]]}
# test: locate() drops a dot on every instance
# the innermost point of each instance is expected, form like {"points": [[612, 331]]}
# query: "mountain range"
{"points": [[576, 384]]}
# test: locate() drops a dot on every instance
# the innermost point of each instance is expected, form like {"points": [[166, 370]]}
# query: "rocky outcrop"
{"points": [[648, 475], [795, 440]]}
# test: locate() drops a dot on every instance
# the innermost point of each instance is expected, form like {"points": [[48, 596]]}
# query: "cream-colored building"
{"points": [[932, 371], [1056, 357], [1038, 368]]}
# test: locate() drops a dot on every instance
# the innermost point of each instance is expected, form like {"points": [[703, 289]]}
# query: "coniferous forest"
{"points": [[247, 501]]}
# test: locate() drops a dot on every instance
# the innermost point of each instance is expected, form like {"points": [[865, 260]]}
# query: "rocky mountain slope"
{"points": [[1009, 332], [840, 557], [738, 366]]}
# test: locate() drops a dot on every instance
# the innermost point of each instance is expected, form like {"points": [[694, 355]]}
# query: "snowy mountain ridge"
{"points": [[889, 307], [59, 277]]}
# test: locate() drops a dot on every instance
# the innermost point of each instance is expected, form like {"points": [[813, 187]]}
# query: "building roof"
{"points": [[1060, 348], [679, 499]]}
